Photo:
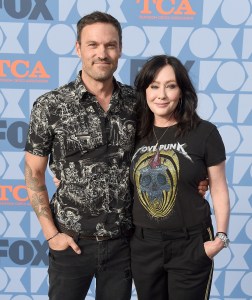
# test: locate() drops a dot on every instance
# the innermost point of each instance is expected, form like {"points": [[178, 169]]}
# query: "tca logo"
{"points": [[23, 69], [167, 7]]}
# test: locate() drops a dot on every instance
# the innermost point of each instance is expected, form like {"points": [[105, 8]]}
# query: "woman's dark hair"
{"points": [[185, 112], [98, 17]]}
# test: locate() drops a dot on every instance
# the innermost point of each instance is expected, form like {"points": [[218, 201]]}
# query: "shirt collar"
{"points": [[81, 89]]}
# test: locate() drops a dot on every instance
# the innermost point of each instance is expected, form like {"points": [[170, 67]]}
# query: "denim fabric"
{"points": [[71, 274]]}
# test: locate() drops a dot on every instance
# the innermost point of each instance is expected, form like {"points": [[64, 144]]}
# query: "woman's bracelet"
{"points": [[53, 236]]}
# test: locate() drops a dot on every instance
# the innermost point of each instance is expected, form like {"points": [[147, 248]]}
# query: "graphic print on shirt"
{"points": [[89, 151], [156, 182]]}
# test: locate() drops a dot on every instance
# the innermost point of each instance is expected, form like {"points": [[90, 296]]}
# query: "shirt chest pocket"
{"points": [[73, 143]]}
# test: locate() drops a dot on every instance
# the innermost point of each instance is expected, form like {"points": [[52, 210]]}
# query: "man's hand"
{"points": [[203, 187], [62, 241]]}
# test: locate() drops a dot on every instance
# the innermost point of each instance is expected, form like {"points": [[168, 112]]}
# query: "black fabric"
{"points": [[174, 269], [90, 152], [166, 195], [71, 274], [161, 236]]}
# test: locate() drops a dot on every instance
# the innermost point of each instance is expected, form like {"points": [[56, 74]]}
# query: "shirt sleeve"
{"points": [[215, 149], [39, 137]]}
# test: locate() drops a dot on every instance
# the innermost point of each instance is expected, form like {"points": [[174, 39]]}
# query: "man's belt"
{"points": [[79, 235]]}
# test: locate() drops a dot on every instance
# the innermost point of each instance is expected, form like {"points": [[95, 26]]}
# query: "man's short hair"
{"points": [[98, 17]]}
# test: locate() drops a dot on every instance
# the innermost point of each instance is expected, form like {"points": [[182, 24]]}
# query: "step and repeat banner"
{"points": [[213, 38]]}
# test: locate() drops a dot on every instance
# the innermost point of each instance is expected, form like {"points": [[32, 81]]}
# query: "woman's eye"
{"points": [[171, 86]]}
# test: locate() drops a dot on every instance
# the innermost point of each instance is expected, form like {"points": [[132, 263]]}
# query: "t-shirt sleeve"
{"points": [[215, 149], [39, 137]]}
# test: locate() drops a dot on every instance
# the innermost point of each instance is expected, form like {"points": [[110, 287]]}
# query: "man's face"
{"points": [[99, 50]]}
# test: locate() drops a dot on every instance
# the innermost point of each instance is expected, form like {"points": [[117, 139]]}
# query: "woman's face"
{"points": [[163, 94]]}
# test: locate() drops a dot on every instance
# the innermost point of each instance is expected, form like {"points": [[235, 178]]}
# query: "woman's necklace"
{"points": [[158, 140], [155, 160]]}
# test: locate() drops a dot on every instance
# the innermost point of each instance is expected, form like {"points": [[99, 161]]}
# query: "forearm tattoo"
{"points": [[39, 202], [32, 182]]}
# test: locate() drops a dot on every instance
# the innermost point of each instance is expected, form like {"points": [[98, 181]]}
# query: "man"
{"points": [[86, 129], [82, 127]]}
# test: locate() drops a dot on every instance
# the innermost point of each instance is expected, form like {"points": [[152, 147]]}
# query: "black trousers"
{"points": [[169, 266], [71, 274]]}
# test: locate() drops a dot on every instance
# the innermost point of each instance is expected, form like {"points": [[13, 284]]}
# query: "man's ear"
{"points": [[77, 48]]}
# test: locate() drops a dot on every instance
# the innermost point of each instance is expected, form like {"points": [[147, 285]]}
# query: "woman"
{"points": [[173, 246]]}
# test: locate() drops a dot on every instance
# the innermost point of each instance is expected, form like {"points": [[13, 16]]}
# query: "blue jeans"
{"points": [[71, 274]]}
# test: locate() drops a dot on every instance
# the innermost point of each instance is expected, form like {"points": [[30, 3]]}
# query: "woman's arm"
{"points": [[220, 198]]}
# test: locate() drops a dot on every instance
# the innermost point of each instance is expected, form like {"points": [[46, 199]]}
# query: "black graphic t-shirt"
{"points": [[166, 181], [90, 152]]}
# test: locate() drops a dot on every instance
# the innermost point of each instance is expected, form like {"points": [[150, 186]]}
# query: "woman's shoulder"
{"points": [[206, 125], [203, 128]]}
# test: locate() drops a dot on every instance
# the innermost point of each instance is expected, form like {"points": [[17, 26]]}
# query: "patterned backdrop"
{"points": [[213, 38]]}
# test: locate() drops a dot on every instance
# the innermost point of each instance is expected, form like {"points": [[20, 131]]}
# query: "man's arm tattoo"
{"points": [[39, 204], [32, 182]]}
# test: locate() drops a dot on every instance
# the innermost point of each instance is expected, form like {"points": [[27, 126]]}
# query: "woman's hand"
{"points": [[212, 248], [56, 181]]}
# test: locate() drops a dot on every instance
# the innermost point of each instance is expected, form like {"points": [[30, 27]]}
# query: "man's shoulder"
{"points": [[126, 88], [127, 92], [57, 95]]}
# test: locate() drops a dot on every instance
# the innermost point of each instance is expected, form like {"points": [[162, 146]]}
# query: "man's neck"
{"points": [[101, 89]]}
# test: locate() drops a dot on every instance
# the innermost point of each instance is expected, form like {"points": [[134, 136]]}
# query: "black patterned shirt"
{"points": [[89, 151]]}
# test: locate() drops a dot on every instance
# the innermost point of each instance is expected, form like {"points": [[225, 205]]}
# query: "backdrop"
{"points": [[213, 38]]}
